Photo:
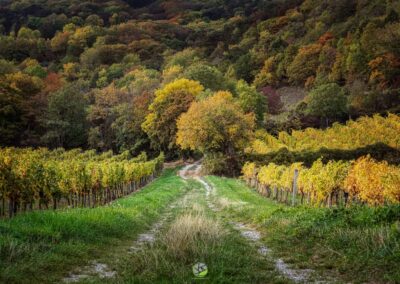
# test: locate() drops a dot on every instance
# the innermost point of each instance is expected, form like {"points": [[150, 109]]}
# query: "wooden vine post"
{"points": [[295, 177]]}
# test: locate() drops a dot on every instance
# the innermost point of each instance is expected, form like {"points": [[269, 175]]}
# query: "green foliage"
{"points": [[219, 164], [244, 67], [184, 58], [251, 100], [66, 117], [106, 76], [6, 67], [27, 33], [81, 233], [209, 76], [345, 239], [36, 70], [12, 116], [327, 101]]}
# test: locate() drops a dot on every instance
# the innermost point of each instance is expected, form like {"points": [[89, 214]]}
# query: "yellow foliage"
{"points": [[354, 134], [172, 73], [169, 103], [24, 173], [190, 87], [249, 170], [367, 180], [215, 124], [374, 182]]}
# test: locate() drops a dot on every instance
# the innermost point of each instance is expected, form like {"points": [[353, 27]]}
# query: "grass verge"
{"points": [[41, 247], [357, 244]]}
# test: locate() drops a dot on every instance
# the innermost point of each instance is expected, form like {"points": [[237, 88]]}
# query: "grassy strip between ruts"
{"points": [[194, 234], [40, 247], [359, 244]]}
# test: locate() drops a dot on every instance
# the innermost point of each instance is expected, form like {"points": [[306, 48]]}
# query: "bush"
{"points": [[219, 164]]}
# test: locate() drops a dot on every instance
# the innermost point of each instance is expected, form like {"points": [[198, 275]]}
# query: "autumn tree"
{"points": [[101, 116], [274, 100], [305, 63], [267, 75], [135, 139], [216, 125], [120, 109], [169, 103], [59, 43], [172, 73], [82, 38]]}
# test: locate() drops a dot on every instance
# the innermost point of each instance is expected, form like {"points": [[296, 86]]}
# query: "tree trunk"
{"points": [[330, 200], [10, 208], [15, 207], [346, 198], [3, 207]]}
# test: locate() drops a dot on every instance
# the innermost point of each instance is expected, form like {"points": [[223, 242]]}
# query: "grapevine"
{"points": [[31, 179], [364, 181]]}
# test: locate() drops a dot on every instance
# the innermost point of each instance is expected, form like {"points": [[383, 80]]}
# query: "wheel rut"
{"points": [[254, 237]]}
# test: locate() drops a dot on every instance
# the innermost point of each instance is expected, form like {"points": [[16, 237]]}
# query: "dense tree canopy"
{"points": [[327, 101], [169, 103], [251, 100], [216, 124], [66, 117], [116, 75]]}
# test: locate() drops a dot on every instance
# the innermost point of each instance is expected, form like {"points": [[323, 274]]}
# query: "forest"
{"points": [[93, 74]]}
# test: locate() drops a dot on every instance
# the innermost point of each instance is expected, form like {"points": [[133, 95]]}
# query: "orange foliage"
{"points": [[326, 37], [53, 82]]}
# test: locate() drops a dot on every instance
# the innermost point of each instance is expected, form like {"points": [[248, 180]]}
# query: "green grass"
{"points": [[229, 257], [357, 244], [41, 247]]}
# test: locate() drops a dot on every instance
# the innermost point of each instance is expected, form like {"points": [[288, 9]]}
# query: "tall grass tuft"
{"points": [[193, 234]]}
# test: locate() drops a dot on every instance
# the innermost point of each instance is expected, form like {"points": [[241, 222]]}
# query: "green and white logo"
{"points": [[200, 270]]}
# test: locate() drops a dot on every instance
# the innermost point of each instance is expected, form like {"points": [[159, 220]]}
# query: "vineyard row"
{"points": [[353, 135], [39, 179], [364, 181]]}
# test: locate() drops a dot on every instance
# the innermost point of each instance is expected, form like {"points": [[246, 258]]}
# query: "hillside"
{"points": [[126, 50]]}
